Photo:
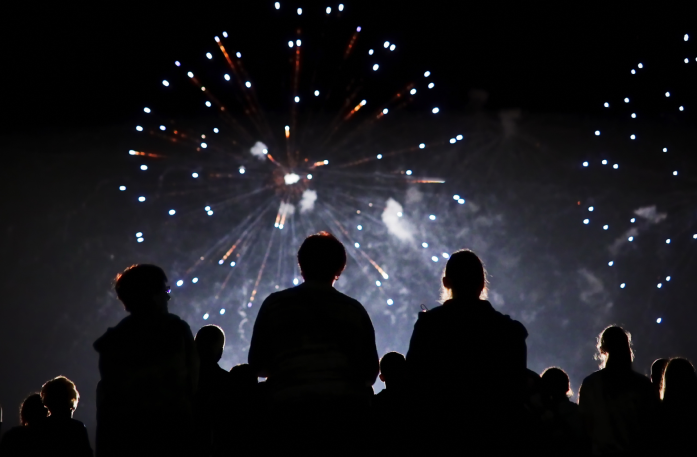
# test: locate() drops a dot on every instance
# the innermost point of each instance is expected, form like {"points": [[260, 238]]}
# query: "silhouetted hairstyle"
{"points": [[679, 382], [657, 368], [392, 366], [137, 284], [210, 342], [60, 393], [555, 384], [615, 345], [321, 257], [467, 276], [32, 410], [243, 375]]}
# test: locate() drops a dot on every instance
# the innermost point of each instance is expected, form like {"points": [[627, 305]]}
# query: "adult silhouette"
{"points": [[149, 372], [59, 434], [23, 440], [467, 364], [617, 404], [317, 348], [213, 387], [678, 411], [657, 368]]}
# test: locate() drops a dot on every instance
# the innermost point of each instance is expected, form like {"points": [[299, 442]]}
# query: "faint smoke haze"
{"points": [[649, 216], [286, 209], [307, 202], [258, 150], [396, 225]]}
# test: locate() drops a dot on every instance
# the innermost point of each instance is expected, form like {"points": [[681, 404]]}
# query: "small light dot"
{"points": [[633, 71], [316, 93], [221, 261], [682, 108], [665, 149], [386, 44], [204, 145], [341, 7], [435, 110], [379, 156], [146, 109], [434, 258], [190, 74], [606, 105], [277, 5], [604, 162], [180, 283], [641, 65], [298, 42], [194, 280], [412, 92], [210, 213], [427, 74], [242, 170], [392, 47], [586, 221], [659, 285], [300, 11], [597, 133], [165, 83], [163, 128], [370, 52], [615, 166], [667, 94], [209, 55], [143, 167], [453, 140], [605, 227], [675, 173], [359, 227], [227, 77], [194, 175], [659, 320], [585, 164], [329, 9], [378, 283], [216, 130], [633, 115], [668, 241], [232, 264], [432, 217], [461, 201], [295, 281], [208, 104], [626, 100], [390, 302], [610, 263], [399, 214], [408, 172], [309, 176], [424, 245], [239, 55], [248, 84], [172, 212], [632, 137], [139, 128], [456, 197], [205, 317], [631, 238], [446, 255], [459, 138], [177, 63], [222, 310], [422, 145], [139, 234], [297, 99], [590, 208], [385, 111], [632, 220], [431, 85], [122, 188], [668, 278], [225, 34], [141, 199], [686, 37], [375, 67], [622, 286]]}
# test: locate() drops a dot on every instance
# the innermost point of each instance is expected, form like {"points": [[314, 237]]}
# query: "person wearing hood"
{"points": [[149, 372], [467, 365]]}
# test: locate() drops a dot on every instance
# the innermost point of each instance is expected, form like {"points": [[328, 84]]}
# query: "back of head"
{"points": [[464, 276], [679, 382], [32, 410], [137, 286], [60, 395], [555, 384], [321, 257], [615, 348], [210, 342], [657, 368], [392, 368], [243, 375]]}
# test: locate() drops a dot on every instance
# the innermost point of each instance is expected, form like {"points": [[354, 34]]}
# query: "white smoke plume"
{"points": [[649, 215], [259, 150], [286, 209], [395, 221], [307, 202]]}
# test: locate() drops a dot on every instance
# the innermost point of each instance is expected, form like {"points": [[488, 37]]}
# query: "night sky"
{"points": [[75, 77]]}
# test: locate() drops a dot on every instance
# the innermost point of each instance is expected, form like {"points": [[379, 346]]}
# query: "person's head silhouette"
{"points": [[143, 289], [657, 368], [464, 277], [555, 385], [322, 258], [243, 376], [210, 343], [60, 396], [615, 348], [679, 382], [32, 410], [392, 369]]}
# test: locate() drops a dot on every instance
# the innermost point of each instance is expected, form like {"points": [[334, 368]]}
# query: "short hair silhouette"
{"points": [[555, 383], [32, 410], [210, 343], [243, 375], [137, 285], [616, 343], [679, 381], [60, 394], [464, 276], [392, 367], [321, 257], [657, 368]]}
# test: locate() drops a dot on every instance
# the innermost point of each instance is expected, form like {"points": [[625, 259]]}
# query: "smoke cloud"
{"points": [[395, 222], [307, 202], [259, 150]]}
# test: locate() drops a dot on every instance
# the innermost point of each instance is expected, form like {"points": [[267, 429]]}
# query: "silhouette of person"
{"points": [[317, 348], [617, 404], [467, 364], [23, 440], [149, 372], [561, 426], [391, 406], [213, 386], [394, 374], [59, 434], [678, 411], [657, 368]]}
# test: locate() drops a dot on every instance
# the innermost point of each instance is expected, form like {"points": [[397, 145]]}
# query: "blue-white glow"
{"points": [[641, 65], [386, 44], [143, 167], [190, 74], [427, 74], [667, 94], [393, 47], [434, 258], [207, 208], [610, 263], [370, 52], [431, 85], [242, 170], [239, 55], [604, 162], [626, 100], [633, 115], [597, 133], [194, 175], [221, 261], [208, 104], [291, 44], [194, 280], [356, 245], [590, 208], [300, 11], [140, 240], [459, 138], [206, 316], [359, 227], [122, 188], [390, 302], [424, 245], [675, 173], [461, 201], [277, 5], [316, 93], [633, 71], [615, 166], [329, 9], [177, 63], [605, 227], [172, 212], [341, 6], [422, 145], [665, 149], [248, 84], [408, 172], [215, 130], [139, 234], [632, 220], [210, 213], [209, 55], [659, 320], [297, 99], [432, 217], [453, 141], [141, 199], [222, 311], [163, 128], [435, 110], [606, 105], [456, 197], [180, 283], [385, 111], [585, 164], [632, 137], [668, 241], [204, 145], [378, 283], [630, 239], [309, 176], [227, 77], [659, 285], [622, 286], [146, 109], [225, 34], [446, 255], [232, 264], [686, 37], [375, 67], [668, 278], [165, 83], [682, 108], [586, 221], [298, 42], [295, 281], [139, 128], [412, 92]]}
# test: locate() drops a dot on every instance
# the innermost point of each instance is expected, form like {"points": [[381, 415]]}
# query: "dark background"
{"points": [[74, 75]]}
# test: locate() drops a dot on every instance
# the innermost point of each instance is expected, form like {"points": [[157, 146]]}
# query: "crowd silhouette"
{"points": [[463, 386]]}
